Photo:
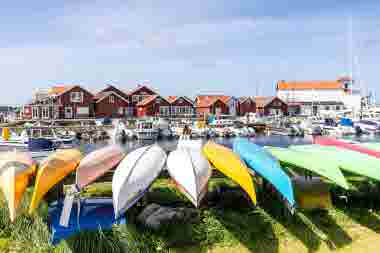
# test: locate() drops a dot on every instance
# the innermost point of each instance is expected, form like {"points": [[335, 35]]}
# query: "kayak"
{"points": [[16, 168], [263, 163], [230, 164], [53, 170], [322, 166], [324, 141], [371, 145], [97, 163], [351, 161], [190, 170], [134, 175]]}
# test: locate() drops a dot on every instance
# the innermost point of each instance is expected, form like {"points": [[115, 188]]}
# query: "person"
{"points": [[186, 133]]}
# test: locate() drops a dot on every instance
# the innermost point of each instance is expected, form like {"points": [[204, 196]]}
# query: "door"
{"points": [[68, 112]]}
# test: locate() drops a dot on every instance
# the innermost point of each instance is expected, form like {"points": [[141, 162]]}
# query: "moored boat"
{"points": [[134, 175]]}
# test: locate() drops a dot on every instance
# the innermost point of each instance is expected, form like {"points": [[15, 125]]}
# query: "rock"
{"points": [[155, 216]]}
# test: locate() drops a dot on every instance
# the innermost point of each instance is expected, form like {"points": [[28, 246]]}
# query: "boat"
{"points": [[190, 170], [324, 141], [134, 175], [347, 160], [146, 130], [22, 140], [324, 166], [53, 170], [368, 126], [263, 163], [230, 164], [16, 168]]}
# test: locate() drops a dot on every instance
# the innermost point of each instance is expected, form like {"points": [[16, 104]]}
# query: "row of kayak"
{"points": [[189, 165]]}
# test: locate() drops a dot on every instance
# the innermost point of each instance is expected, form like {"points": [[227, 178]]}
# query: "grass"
{"points": [[221, 227]]}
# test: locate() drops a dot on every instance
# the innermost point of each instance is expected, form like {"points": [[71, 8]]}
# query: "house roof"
{"points": [[172, 99], [102, 95], [111, 87], [243, 99], [139, 87], [208, 100], [263, 101], [59, 90], [310, 85], [150, 99]]}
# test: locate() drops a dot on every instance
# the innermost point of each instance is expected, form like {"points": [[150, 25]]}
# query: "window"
{"points": [[164, 110], [121, 111], [338, 108], [76, 97], [45, 112], [327, 108], [135, 98], [35, 113], [111, 99]]}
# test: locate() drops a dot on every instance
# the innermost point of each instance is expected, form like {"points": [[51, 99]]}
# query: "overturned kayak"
{"points": [[134, 175], [348, 160], [53, 170], [370, 145], [97, 163], [263, 163], [190, 170], [16, 168], [227, 162], [322, 166], [324, 141]]}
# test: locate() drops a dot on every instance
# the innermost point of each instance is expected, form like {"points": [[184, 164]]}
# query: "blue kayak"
{"points": [[265, 165], [94, 214]]}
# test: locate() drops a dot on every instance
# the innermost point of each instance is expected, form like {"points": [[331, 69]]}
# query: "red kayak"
{"points": [[323, 141]]}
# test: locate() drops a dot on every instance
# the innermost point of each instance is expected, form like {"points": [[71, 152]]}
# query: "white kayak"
{"points": [[134, 175], [190, 170]]}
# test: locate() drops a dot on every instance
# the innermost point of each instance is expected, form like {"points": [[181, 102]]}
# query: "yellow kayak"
{"points": [[229, 164], [52, 170], [16, 168]]}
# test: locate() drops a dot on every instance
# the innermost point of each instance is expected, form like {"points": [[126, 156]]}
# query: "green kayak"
{"points": [[371, 145], [351, 161], [322, 166]]}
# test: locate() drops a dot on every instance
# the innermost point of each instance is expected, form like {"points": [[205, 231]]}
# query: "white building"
{"points": [[313, 97]]}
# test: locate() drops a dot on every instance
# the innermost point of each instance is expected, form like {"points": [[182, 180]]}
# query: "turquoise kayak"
{"points": [[264, 164]]}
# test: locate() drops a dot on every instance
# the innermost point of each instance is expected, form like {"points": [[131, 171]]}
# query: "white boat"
{"points": [[190, 170], [134, 175], [368, 126], [146, 130]]}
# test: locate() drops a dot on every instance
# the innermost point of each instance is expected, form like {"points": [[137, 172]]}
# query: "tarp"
{"points": [[346, 122], [95, 214]]}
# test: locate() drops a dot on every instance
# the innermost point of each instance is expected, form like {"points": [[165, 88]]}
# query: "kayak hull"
{"points": [[53, 170], [97, 163], [264, 164], [191, 171], [230, 164], [134, 175], [15, 172]]}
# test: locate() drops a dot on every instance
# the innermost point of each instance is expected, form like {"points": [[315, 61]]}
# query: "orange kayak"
{"points": [[53, 170], [16, 168]]}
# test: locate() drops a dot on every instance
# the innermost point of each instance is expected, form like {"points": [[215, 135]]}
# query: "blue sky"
{"points": [[185, 47]]}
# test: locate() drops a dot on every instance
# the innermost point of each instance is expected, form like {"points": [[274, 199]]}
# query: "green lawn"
{"points": [[230, 226]]}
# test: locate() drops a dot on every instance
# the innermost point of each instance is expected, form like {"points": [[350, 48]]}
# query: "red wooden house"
{"points": [[211, 104], [137, 95], [154, 105], [181, 106], [111, 105], [63, 102], [246, 105], [271, 106]]}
